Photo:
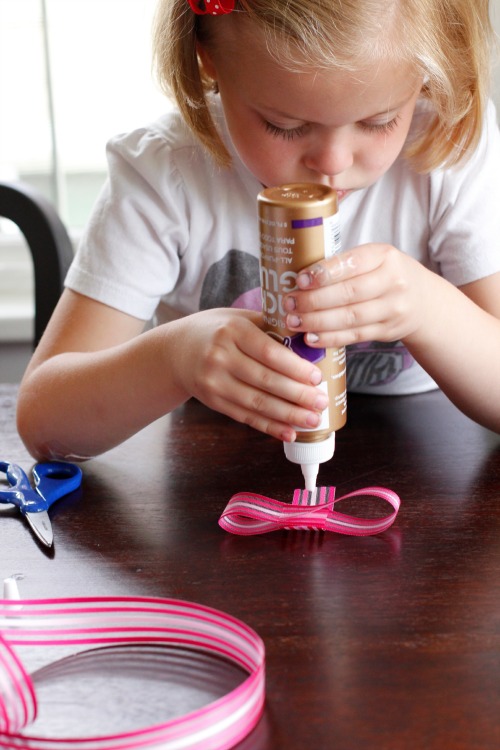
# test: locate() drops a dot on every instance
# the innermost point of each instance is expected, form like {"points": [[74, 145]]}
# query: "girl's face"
{"points": [[328, 126]]}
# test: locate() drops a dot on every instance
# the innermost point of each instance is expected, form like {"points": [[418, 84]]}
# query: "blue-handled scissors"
{"points": [[53, 480]]}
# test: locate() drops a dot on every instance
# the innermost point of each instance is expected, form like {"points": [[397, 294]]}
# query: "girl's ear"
{"points": [[206, 61]]}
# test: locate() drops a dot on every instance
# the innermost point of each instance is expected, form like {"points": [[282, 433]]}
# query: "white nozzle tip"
{"points": [[310, 456], [310, 473], [10, 589]]}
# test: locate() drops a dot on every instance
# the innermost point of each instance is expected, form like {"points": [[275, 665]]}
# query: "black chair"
{"points": [[47, 240]]}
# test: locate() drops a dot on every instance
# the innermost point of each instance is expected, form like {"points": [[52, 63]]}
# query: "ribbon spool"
{"points": [[94, 622]]}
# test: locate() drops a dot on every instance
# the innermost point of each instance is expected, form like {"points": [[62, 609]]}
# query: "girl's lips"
{"points": [[342, 194]]}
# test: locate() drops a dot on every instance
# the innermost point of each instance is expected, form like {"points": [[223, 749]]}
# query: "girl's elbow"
{"points": [[30, 423]]}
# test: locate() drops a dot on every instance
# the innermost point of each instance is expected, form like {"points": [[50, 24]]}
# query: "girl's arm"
{"points": [[462, 351], [377, 293], [95, 378]]}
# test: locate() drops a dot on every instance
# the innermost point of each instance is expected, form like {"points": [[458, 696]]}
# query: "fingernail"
{"points": [[316, 377], [293, 321], [290, 304], [311, 338], [313, 420], [304, 280], [321, 402]]}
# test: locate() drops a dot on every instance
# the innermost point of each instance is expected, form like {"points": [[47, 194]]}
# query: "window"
{"points": [[72, 74]]}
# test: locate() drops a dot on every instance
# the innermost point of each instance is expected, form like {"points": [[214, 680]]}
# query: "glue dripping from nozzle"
{"points": [[310, 456]]}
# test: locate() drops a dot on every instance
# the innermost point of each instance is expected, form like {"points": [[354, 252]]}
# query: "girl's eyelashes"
{"points": [[380, 127], [288, 134]]}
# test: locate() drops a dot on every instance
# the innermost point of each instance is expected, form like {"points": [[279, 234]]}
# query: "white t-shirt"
{"points": [[172, 234]]}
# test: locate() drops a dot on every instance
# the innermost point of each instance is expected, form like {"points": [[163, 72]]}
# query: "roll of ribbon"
{"points": [[92, 622]]}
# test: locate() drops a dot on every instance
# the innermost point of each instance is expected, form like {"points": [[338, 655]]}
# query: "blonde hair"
{"points": [[448, 42]]}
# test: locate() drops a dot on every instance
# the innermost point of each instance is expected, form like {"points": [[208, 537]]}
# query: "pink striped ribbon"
{"points": [[248, 513], [130, 620]]}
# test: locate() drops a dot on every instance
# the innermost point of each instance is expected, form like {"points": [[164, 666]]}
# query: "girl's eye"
{"points": [[380, 127], [288, 134]]}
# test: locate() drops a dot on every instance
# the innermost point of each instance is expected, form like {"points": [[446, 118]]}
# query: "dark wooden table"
{"points": [[389, 642]]}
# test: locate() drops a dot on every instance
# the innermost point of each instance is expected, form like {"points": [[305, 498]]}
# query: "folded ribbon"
{"points": [[247, 513], [130, 620]]}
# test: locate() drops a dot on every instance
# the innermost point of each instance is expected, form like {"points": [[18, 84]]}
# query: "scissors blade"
{"points": [[41, 526]]}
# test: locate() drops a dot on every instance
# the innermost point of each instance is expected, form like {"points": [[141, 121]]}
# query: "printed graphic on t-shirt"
{"points": [[376, 363], [234, 281]]}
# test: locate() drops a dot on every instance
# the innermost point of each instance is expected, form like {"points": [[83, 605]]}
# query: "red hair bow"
{"points": [[212, 7]]}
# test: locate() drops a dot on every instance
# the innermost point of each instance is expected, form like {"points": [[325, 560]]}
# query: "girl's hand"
{"points": [[225, 360], [370, 293]]}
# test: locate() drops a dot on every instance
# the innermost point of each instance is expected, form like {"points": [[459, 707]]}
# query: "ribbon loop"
{"points": [[17, 696], [248, 514]]}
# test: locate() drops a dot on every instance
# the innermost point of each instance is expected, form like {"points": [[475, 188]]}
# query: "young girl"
{"points": [[384, 101]]}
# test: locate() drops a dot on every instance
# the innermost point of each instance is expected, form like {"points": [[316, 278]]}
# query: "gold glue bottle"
{"points": [[299, 226]]}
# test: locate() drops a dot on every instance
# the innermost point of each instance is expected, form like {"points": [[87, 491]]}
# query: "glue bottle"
{"points": [[298, 226]]}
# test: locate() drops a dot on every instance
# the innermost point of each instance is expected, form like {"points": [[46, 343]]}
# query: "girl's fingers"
{"points": [[351, 317], [271, 356], [264, 391], [265, 412], [252, 378], [346, 265], [376, 294], [381, 280]]}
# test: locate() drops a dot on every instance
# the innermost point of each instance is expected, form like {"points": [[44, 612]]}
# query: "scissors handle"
{"points": [[20, 492], [53, 480], [15, 475], [56, 479]]}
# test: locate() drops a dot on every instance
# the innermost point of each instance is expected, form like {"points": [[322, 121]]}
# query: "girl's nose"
{"points": [[330, 154]]}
